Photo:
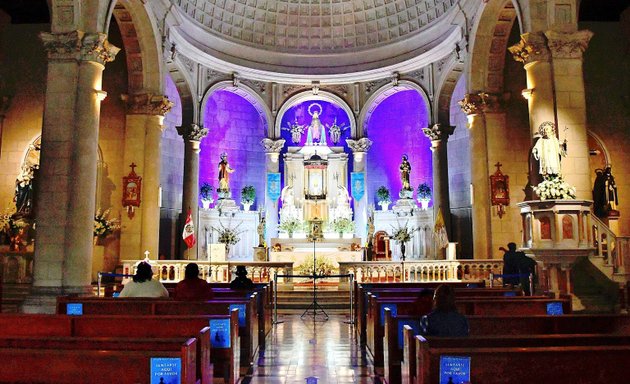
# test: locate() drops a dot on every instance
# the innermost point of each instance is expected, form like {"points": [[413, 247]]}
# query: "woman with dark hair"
{"points": [[142, 284], [444, 320], [192, 287]]}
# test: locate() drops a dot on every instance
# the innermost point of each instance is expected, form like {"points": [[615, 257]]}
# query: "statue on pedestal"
{"points": [[405, 170], [316, 132], [224, 174], [548, 150], [605, 198]]}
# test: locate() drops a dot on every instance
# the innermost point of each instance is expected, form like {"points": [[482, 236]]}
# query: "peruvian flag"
{"points": [[189, 231]]}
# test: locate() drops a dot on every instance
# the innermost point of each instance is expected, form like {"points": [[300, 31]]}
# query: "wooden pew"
{"points": [[92, 360], [248, 330], [564, 359]]}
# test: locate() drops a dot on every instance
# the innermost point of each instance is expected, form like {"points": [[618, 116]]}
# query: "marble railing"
{"points": [[173, 270], [423, 270], [365, 271]]}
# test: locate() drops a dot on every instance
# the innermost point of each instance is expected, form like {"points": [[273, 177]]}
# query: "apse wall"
{"points": [[395, 128], [235, 127]]}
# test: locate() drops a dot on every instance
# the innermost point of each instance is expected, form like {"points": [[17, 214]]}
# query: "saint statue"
{"points": [[611, 190], [405, 171], [316, 133], [224, 173], [548, 150], [261, 231], [24, 190]]}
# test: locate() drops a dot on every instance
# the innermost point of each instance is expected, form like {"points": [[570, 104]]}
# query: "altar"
{"points": [[300, 251]]}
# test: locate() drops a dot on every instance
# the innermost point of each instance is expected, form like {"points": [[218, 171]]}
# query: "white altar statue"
{"points": [[289, 209], [342, 207], [316, 130], [548, 150]]}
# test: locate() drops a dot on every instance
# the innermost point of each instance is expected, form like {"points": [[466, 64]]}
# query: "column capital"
{"points": [[438, 132], [361, 145], [78, 45], [147, 104], [532, 47], [568, 45], [272, 146], [192, 132], [477, 103]]}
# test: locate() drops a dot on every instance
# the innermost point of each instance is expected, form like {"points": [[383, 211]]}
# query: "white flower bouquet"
{"points": [[228, 236], [103, 225], [291, 224], [553, 187], [402, 234]]}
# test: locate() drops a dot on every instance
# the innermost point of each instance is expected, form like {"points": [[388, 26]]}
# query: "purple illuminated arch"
{"points": [[395, 128], [236, 127]]}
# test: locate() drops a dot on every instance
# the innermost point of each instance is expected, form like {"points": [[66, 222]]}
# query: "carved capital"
{"points": [[475, 103], [147, 104], [532, 47], [438, 132], [78, 45], [361, 145], [568, 45], [272, 146], [192, 132]]}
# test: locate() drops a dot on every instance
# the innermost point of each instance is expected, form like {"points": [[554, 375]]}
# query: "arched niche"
{"points": [[235, 126], [395, 129], [308, 96]]}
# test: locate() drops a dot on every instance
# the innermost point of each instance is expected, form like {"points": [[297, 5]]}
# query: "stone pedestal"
{"points": [[225, 206], [556, 234], [260, 254], [404, 207]]}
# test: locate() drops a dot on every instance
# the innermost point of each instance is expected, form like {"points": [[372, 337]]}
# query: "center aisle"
{"points": [[302, 348]]}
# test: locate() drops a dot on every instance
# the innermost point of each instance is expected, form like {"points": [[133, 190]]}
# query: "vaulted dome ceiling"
{"points": [[316, 37]]}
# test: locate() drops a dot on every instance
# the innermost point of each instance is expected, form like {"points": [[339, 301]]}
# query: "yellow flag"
{"points": [[439, 231]]}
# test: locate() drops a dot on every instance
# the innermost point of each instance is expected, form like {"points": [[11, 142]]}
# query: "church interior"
{"points": [[353, 155]]}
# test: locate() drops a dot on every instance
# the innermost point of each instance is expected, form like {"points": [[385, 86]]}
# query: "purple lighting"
{"points": [[395, 128], [235, 127], [300, 114]]}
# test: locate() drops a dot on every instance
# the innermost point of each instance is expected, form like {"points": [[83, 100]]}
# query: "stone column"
{"points": [[438, 134], [568, 79], [473, 106], [192, 135], [359, 149], [143, 134], [67, 187], [272, 165]]}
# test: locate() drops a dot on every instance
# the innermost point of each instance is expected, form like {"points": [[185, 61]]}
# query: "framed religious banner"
{"points": [[500, 190], [132, 189]]}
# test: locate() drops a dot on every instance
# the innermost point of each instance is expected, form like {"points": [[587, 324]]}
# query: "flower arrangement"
{"points": [[424, 191], [402, 234], [291, 224], [554, 187], [342, 225], [248, 194], [382, 194], [103, 225], [227, 235], [206, 191], [323, 267]]}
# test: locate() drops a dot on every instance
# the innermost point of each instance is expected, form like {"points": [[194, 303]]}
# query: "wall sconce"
{"points": [[527, 93], [132, 190], [500, 190]]}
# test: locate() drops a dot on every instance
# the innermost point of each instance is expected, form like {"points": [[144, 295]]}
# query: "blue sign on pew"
{"points": [[392, 307], [454, 369], [241, 313], [74, 309], [555, 308], [509, 293], [166, 370], [414, 324], [220, 333]]}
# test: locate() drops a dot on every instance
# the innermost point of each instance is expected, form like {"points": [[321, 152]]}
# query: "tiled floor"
{"points": [[300, 348]]}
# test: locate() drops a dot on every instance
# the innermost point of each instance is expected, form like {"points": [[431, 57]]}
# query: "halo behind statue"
{"points": [[318, 105], [542, 128]]}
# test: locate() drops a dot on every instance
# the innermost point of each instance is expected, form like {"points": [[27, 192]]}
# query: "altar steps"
{"points": [[294, 300]]}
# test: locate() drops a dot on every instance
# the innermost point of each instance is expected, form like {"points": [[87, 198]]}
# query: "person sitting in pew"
{"points": [[142, 284], [241, 281], [192, 287], [444, 320]]}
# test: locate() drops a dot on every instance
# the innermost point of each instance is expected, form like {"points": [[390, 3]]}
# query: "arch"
{"points": [[309, 96], [245, 92], [489, 44], [602, 145], [187, 98], [383, 93], [143, 52], [445, 89]]}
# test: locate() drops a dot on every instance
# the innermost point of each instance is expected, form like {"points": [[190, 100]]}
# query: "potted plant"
{"points": [[382, 195], [424, 195], [248, 195], [206, 195]]}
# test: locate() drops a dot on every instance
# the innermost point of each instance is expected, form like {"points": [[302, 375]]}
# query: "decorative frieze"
{"points": [[532, 47], [78, 45], [272, 146], [361, 145], [568, 45], [147, 104], [192, 132]]}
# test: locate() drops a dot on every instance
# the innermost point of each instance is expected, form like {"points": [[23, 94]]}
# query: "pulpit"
{"points": [[381, 246]]}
